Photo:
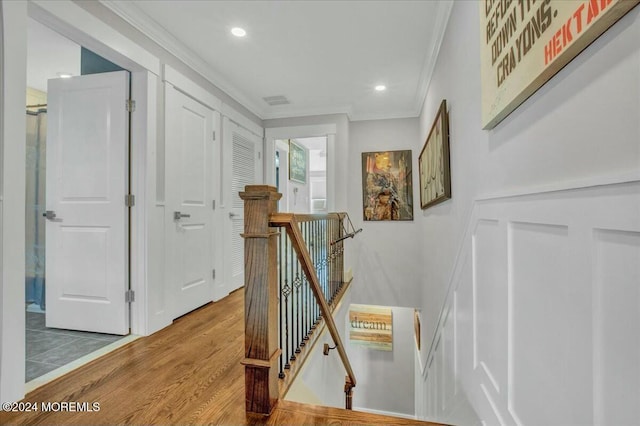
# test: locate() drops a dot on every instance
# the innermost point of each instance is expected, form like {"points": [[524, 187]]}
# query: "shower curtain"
{"points": [[35, 206]]}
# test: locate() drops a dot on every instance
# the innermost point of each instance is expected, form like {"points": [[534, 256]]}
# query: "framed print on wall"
{"points": [[524, 44], [435, 173], [297, 162], [387, 189]]}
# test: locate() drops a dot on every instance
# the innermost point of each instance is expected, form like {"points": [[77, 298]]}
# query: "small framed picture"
{"points": [[435, 173], [297, 162]]}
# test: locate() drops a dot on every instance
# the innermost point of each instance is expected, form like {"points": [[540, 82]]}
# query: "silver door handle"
{"points": [[232, 215], [49, 214], [178, 215]]}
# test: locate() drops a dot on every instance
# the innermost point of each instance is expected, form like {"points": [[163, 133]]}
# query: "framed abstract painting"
{"points": [[387, 191]]}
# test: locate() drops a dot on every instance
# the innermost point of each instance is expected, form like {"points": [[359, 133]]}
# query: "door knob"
{"points": [[232, 215], [178, 215], [49, 214]]}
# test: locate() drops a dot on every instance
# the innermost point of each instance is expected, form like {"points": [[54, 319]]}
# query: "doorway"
{"points": [[308, 194], [69, 288]]}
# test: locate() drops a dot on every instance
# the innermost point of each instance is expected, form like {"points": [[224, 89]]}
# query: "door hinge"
{"points": [[213, 274], [214, 135], [213, 204], [131, 105], [129, 296], [129, 200]]}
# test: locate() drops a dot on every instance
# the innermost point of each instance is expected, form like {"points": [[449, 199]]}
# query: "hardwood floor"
{"points": [[188, 373]]}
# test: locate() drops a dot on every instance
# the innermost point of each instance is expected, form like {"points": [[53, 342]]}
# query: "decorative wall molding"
{"points": [[541, 303]]}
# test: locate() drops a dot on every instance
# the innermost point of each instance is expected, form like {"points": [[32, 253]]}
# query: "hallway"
{"points": [[188, 373]]}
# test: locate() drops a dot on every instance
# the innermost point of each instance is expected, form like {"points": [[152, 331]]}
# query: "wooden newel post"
{"points": [[260, 298]]}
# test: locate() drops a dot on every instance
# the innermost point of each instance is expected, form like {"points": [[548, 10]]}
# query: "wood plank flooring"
{"points": [[187, 374]]}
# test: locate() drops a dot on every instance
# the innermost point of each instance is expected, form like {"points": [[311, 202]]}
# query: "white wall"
{"points": [[13, 198], [321, 380], [521, 326], [386, 379], [386, 262]]}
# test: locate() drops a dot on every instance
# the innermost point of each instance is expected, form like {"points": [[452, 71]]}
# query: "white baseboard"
{"points": [[385, 413]]}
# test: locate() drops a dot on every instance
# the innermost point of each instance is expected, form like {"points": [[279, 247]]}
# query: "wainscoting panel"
{"points": [[541, 323], [490, 307], [616, 346]]}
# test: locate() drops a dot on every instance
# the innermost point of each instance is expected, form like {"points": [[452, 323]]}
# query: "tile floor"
{"points": [[51, 348]]}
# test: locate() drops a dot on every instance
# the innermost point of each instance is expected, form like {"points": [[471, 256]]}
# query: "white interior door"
{"points": [[87, 227], [244, 167], [190, 149]]}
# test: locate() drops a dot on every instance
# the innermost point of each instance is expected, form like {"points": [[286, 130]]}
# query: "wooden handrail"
{"points": [[262, 232], [290, 223], [309, 217]]}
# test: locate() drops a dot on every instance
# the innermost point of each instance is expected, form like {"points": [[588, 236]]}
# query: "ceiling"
{"points": [[325, 57], [48, 55]]}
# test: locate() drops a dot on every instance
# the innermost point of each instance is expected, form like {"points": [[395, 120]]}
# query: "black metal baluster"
{"points": [[294, 287], [331, 238], [307, 324], [286, 292], [280, 304], [303, 293], [314, 231], [296, 311], [341, 262]]}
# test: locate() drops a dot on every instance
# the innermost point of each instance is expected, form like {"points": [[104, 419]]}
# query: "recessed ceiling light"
{"points": [[381, 87], [64, 75], [238, 32]]}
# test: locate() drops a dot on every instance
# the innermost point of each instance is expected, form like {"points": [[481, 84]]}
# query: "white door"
{"points": [[190, 148], [87, 232], [244, 167]]}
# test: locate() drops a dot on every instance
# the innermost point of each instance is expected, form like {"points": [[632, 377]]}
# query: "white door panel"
{"points": [[190, 149], [243, 167], [87, 168]]}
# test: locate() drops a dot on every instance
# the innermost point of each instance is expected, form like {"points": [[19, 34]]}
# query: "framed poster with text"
{"points": [[523, 43]]}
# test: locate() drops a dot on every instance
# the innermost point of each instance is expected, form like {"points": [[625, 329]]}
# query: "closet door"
{"points": [[190, 150], [243, 162]]}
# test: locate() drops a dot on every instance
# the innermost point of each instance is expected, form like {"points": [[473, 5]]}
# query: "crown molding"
{"points": [[133, 15], [443, 14], [157, 33], [379, 116]]}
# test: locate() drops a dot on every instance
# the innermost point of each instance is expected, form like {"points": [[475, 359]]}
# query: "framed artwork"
{"points": [[371, 327], [416, 326], [387, 191], [524, 45], [297, 162], [435, 174]]}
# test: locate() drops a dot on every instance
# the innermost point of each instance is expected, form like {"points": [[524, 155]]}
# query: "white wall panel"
{"points": [[544, 313], [448, 361], [548, 341], [490, 307], [616, 304]]}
